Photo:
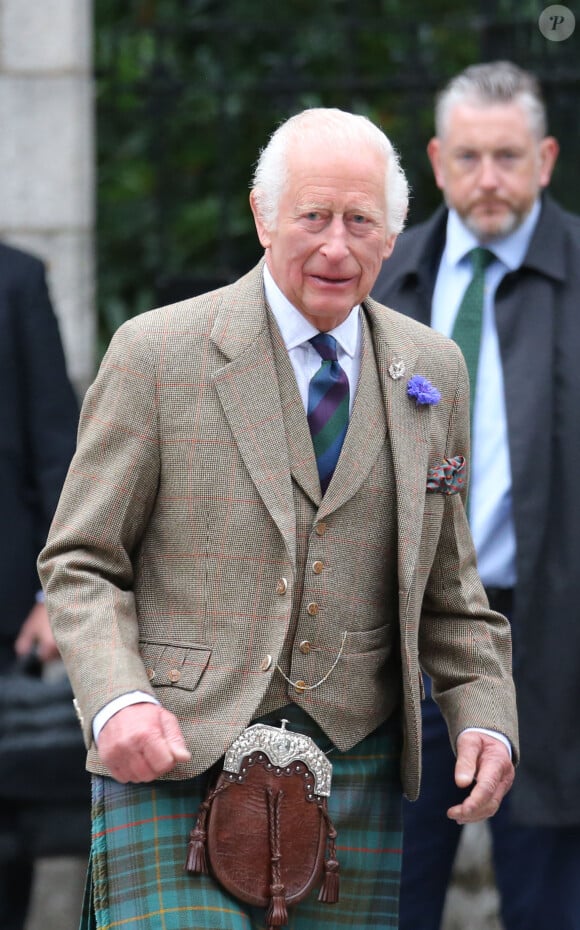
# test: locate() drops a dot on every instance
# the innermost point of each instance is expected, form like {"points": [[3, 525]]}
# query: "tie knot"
{"points": [[325, 345], [480, 259]]}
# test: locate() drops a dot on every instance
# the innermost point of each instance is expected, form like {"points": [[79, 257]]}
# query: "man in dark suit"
{"points": [[493, 159], [38, 419]]}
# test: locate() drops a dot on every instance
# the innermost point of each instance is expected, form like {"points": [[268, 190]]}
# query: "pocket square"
{"points": [[449, 477]]}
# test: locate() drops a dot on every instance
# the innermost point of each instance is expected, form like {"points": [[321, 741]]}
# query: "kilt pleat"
{"points": [[136, 877]]}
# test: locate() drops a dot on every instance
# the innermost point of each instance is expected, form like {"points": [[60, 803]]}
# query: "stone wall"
{"points": [[47, 175]]}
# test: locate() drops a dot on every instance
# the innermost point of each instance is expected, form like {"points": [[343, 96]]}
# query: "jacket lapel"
{"points": [[409, 430], [298, 439], [247, 386], [365, 435]]}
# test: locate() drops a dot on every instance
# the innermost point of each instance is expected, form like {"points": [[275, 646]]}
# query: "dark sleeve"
{"points": [[49, 405]]}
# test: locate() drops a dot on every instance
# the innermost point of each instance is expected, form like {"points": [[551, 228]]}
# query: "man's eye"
{"points": [[507, 157]]}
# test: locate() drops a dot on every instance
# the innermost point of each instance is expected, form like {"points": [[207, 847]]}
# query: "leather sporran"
{"points": [[263, 829]]}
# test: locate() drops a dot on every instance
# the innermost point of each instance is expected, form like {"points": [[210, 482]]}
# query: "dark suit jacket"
{"points": [[537, 312], [38, 419]]}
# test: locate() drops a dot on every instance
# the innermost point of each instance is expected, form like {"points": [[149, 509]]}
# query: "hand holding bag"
{"points": [[42, 762]]}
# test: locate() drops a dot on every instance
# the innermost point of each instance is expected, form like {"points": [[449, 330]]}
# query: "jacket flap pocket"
{"points": [[174, 666]]}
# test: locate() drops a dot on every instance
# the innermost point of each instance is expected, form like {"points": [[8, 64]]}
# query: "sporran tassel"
{"points": [[196, 861], [277, 915], [330, 886], [329, 891], [196, 852]]}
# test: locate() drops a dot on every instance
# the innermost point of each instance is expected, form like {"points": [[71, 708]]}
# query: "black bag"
{"points": [[43, 781]]}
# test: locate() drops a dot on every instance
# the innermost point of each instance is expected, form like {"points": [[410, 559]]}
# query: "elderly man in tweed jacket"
{"points": [[198, 578]]}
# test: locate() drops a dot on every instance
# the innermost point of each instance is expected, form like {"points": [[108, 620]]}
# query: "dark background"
{"points": [[188, 91]]}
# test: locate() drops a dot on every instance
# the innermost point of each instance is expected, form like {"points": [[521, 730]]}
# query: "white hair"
{"points": [[333, 129], [491, 83]]}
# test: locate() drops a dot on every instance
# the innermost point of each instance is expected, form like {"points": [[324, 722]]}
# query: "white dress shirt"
{"points": [[296, 331]]}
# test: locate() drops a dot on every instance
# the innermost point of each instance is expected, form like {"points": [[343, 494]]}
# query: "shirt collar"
{"points": [[296, 329], [510, 250]]}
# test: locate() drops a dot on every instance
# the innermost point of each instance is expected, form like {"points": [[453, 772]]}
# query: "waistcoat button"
{"points": [[312, 609], [320, 528], [265, 663], [318, 567], [281, 586], [305, 647], [300, 686]]}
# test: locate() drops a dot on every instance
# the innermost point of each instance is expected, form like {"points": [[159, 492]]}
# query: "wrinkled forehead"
{"points": [[360, 172]]}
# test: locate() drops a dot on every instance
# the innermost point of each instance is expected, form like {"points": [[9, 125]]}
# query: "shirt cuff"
{"points": [[117, 704], [503, 739]]}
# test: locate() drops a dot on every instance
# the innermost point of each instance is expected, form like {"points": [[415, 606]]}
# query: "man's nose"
{"points": [[335, 245], [488, 173]]}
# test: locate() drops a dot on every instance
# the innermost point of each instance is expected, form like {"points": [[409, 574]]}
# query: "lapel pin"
{"points": [[397, 368]]}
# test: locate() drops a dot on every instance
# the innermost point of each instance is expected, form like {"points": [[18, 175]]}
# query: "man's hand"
{"points": [[141, 743], [35, 632], [484, 760]]}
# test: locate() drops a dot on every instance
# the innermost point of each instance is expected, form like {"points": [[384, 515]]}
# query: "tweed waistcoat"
{"points": [[351, 698]]}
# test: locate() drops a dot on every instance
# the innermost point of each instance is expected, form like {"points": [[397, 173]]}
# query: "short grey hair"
{"points": [[492, 83], [335, 129]]}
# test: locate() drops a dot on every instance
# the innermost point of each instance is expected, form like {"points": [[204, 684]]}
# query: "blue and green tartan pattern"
{"points": [[136, 875], [328, 408]]}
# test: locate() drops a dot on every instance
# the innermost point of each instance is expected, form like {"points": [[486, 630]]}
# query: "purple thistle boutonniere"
{"points": [[422, 390]]}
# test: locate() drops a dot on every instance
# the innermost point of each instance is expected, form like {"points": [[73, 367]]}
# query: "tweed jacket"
{"points": [[176, 529], [38, 424], [538, 323]]}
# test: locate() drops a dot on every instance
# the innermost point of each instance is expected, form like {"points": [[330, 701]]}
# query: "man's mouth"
{"points": [[489, 206], [325, 279]]}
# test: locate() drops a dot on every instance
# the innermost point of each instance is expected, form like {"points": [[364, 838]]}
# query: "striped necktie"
{"points": [[467, 326], [328, 408]]}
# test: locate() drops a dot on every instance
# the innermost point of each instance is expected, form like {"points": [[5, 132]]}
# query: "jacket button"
{"points": [[174, 674], [320, 528], [312, 609], [305, 647], [318, 567], [281, 586], [265, 663], [150, 674], [300, 686]]}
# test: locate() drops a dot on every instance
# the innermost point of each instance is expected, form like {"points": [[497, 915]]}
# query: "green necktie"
{"points": [[467, 326]]}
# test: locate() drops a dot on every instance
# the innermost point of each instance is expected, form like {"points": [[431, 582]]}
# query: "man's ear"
{"points": [[263, 234], [434, 153], [549, 150], [389, 246]]}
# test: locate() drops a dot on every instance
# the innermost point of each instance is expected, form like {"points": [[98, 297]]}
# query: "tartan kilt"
{"points": [[136, 877]]}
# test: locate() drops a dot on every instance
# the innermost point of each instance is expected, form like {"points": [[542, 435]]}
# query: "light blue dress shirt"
{"points": [[490, 497]]}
